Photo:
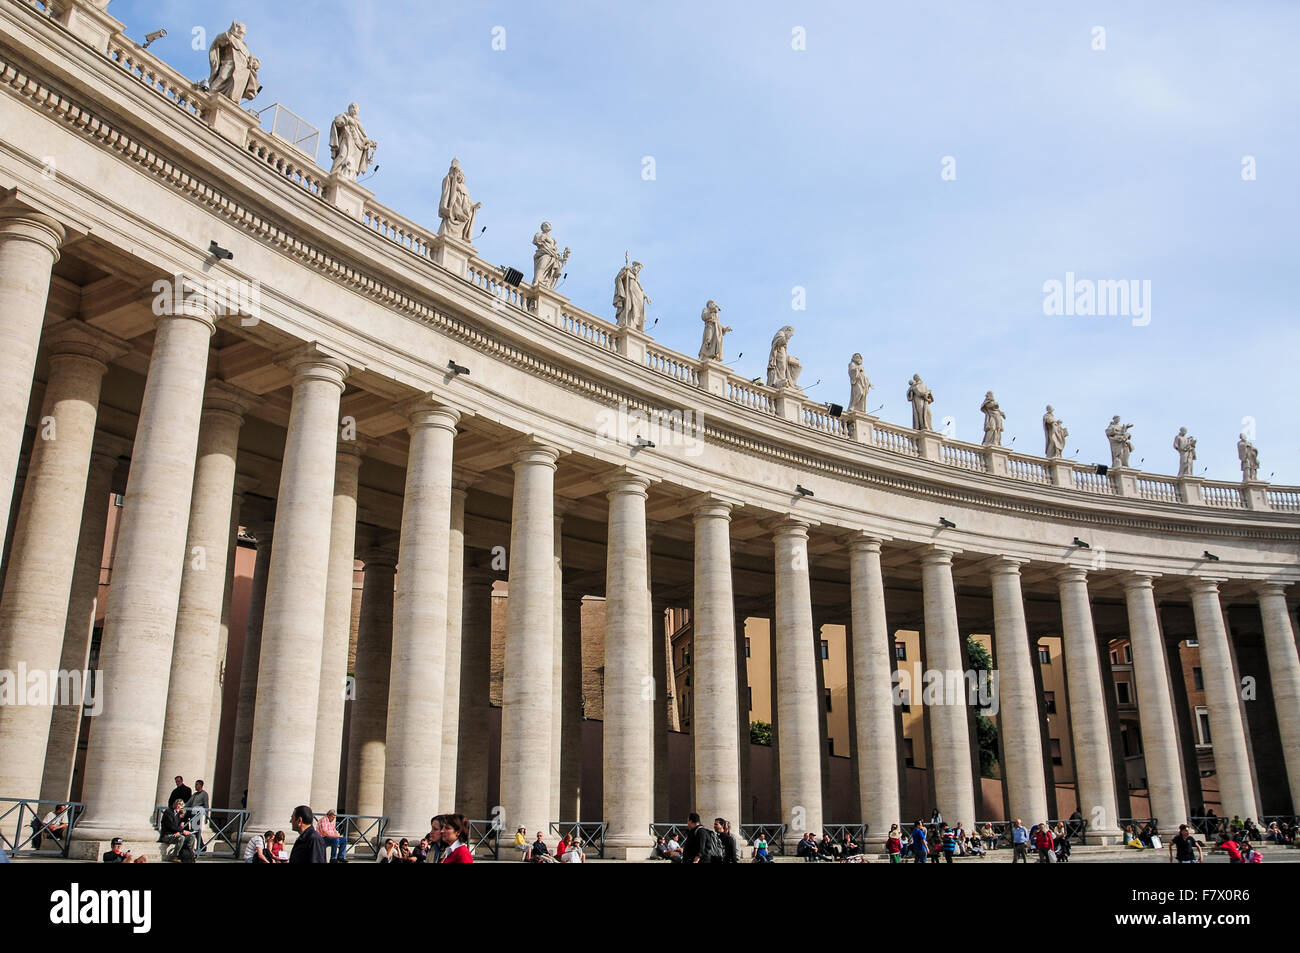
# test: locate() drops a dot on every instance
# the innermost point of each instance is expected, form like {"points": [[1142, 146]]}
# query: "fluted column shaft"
{"points": [[412, 753], [1155, 704], [452, 666], [366, 757], [37, 586], [715, 732], [246, 702], [65, 720], [203, 588], [1093, 768], [1017, 696], [557, 669], [795, 662], [136, 650], [954, 788], [223, 639], [571, 708], [288, 677], [872, 675], [529, 652], [474, 724], [629, 686], [1227, 728], [29, 247], [330, 698], [1284, 673]]}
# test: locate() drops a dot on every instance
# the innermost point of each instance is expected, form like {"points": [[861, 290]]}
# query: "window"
{"points": [[1044, 655], [1193, 642], [830, 747], [1049, 702], [1203, 726], [1056, 751], [828, 699], [750, 691], [900, 650], [1122, 693], [906, 695], [1114, 657], [1198, 680], [826, 649], [907, 753], [746, 646], [1128, 654], [686, 656], [118, 499]]}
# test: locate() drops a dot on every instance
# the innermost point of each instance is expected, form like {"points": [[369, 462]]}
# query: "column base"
{"points": [[1104, 837], [94, 848], [638, 852]]}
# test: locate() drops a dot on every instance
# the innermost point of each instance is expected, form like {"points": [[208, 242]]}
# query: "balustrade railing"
{"points": [[818, 417], [1092, 481], [492, 280], [1157, 488], [672, 365], [1285, 500], [1223, 495], [963, 457], [284, 159], [755, 396], [1031, 471], [887, 437], [152, 72], [395, 228], [589, 328]]}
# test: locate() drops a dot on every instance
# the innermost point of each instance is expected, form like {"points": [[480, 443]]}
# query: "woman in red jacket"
{"points": [[1044, 842], [455, 838]]}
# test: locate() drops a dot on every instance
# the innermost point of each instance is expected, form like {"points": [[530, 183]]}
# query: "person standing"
{"points": [[182, 791], [920, 850], [730, 852], [1019, 843], [1045, 843], [894, 845], [455, 840], [198, 806], [309, 848], [1184, 848]]}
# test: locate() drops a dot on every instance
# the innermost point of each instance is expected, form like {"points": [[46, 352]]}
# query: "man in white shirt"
{"points": [[255, 850], [56, 822], [574, 854]]}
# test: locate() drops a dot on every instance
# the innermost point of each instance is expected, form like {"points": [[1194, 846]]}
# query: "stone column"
{"points": [[242, 486], [954, 788], [1155, 705], [263, 531], [412, 758], [288, 675], [529, 653], [873, 687], [136, 649], [29, 247], [571, 707], [451, 667], [203, 588], [713, 727], [1093, 768], [37, 586], [1284, 672], [330, 698], [474, 724], [628, 759], [1222, 698], [65, 720], [1017, 696], [366, 756], [557, 666], [795, 664]]}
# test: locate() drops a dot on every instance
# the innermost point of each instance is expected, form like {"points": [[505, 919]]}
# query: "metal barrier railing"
{"points": [[1286, 824], [224, 839], [667, 829], [32, 836], [485, 836], [774, 834], [591, 833], [837, 833], [362, 833]]}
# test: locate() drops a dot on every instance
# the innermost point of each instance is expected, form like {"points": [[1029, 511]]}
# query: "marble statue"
{"points": [[350, 147], [630, 298], [782, 369], [993, 418], [1121, 442], [1186, 447], [714, 332], [1055, 432], [859, 385], [920, 397], [1249, 457], [455, 207], [233, 69], [548, 262]]}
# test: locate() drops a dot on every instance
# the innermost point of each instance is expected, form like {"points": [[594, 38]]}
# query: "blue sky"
{"points": [[821, 168]]}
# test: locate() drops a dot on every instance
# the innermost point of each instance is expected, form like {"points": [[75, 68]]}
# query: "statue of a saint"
{"points": [[233, 70], [1055, 432], [993, 418], [455, 207], [859, 385], [1249, 457], [714, 332], [1121, 442], [782, 369], [1186, 447], [350, 147], [630, 298], [548, 263], [920, 397]]}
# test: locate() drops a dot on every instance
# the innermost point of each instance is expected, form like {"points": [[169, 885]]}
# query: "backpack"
{"points": [[710, 846]]}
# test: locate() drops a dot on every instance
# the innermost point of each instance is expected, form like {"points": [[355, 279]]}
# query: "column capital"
{"points": [[1003, 565], [1139, 580], [20, 223], [77, 338], [462, 479], [315, 361], [221, 396], [1272, 587], [428, 410], [1205, 584], [625, 480], [354, 449], [863, 541], [792, 526], [532, 449], [711, 505], [379, 551], [938, 555]]}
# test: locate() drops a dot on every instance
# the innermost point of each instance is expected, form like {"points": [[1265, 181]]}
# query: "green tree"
{"points": [[986, 732], [760, 733]]}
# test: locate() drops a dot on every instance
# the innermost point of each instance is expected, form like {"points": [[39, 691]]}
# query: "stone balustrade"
{"points": [[153, 72]]}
